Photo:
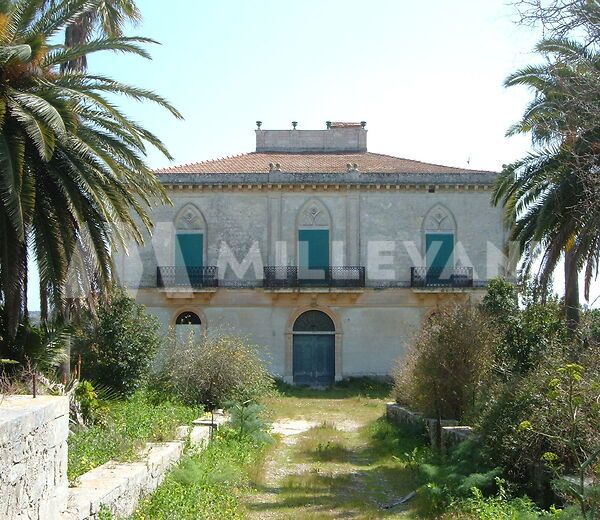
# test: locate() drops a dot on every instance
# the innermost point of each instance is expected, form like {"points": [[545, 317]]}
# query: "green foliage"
{"points": [[126, 425], [211, 370], [74, 185], [117, 347], [41, 348], [443, 372], [552, 410], [246, 419], [528, 334], [447, 480], [207, 484], [104, 513], [86, 396], [501, 300], [498, 507]]}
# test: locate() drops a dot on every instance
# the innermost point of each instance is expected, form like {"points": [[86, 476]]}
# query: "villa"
{"points": [[328, 255]]}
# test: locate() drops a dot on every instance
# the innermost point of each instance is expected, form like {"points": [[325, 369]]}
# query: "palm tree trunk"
{"points": [[571, 292], [76, 34], [43, 304]]}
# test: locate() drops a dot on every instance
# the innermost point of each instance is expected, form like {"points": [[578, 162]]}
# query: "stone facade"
{"points": [[33, 457], [378, 211]]}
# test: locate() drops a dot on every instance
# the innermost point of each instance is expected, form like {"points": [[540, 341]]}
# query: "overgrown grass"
{"points": [[352, 470], [369, 387], [208, 484], [126, 427], [324, 443], [497, 507]]}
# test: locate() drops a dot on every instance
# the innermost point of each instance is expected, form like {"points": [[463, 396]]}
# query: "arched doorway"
{"points": [[187, 324], [313, 349]]}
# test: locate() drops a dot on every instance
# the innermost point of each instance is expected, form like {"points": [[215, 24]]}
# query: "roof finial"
{"points": [[294, 124], [328, 124], [258, 124], [363, 123]]}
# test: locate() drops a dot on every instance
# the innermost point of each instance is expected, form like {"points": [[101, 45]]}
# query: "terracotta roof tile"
{"points": [[367, 162]]}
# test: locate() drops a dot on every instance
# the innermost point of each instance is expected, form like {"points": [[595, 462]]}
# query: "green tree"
{"points": [[550, 197], [106, 17], [117, 347], [74, 184]]}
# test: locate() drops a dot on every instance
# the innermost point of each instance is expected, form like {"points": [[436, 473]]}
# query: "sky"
{"points": [[427, 76]]}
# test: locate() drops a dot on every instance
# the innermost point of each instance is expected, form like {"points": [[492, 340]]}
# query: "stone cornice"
{"points": [[333, 181]]}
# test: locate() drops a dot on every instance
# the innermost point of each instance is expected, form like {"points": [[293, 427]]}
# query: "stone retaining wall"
{"points": [[449, 435], [33, 457], [33, 464], [119, 487]]}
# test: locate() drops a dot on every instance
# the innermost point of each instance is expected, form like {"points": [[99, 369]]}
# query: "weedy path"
{"points": [[334, 458]]}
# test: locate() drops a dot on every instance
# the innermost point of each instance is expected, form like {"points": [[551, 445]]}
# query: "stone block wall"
{"points": [[445, 434], [33, 457]]}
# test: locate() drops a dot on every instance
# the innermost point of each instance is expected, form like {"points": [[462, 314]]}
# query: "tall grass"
{"points": [[208, 484], [126, 426]]}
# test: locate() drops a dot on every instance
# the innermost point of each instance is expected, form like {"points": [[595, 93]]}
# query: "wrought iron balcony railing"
{"points": [[346, 277], [425, 277], [171, 277]]}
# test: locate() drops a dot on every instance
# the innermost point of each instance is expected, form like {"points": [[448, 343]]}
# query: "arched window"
{"points": [[314, 321], [188, 318]]}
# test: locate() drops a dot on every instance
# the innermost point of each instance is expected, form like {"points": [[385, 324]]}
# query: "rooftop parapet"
{"points": [[338, 137]]}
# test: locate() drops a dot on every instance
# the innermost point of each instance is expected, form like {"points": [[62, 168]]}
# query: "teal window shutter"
{"points": [[189, 250], [313, 248], [439, 254]]}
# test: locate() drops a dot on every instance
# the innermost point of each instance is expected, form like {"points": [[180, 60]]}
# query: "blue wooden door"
{"points": [[440, 256], [190, 255], [313, 254], [314, 359]]}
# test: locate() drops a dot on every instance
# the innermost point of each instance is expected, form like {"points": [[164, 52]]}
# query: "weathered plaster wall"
{"points": [[241, 218], [33, 457], [377, 324]]}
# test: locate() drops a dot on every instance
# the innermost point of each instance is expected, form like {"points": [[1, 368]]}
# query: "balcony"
{"points": [[338, 277], [436, 277], [181, 277]]}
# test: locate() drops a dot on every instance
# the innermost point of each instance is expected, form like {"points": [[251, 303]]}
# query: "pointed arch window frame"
{"points": [[301, 224], [199, 227]]}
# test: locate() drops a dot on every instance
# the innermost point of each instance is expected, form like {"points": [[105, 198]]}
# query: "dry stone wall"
{"points": [[33, 457]]}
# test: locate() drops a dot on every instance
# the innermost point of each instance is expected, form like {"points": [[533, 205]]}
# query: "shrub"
{"points": [[527, 334], [497, 507], [211, 370], [86, 396], [546, 423], [246, 419], [443, 371], [118, 345]]}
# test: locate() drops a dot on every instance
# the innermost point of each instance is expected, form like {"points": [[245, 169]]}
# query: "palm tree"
{"points": [[106, 16], [548, 196], [73, 181]]}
